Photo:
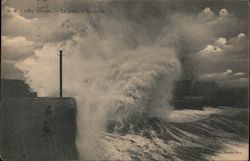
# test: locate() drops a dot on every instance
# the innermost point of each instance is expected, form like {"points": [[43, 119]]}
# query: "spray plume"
{"points": [[111, 78]]}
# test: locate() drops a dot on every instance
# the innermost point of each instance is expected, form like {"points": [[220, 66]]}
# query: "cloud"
{"points": [[15, 48], [223, 53], [36, 29], [226, 75], [16, 42], [15, 25], [227, 72], [239, 74], [232, 46], [207, 12], [4, 1], [223, 12], [238, 39], [211, 49], [199, 30], [188, 33], [216, 48], [241, 36], [221, 42]]}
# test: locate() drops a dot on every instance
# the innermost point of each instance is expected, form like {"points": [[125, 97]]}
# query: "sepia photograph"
{"points": [[124, 80]]}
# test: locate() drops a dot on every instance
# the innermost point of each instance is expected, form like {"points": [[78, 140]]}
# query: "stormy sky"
{"points": [[210, 37]]}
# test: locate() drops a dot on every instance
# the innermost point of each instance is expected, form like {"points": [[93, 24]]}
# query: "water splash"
{"points": [[111, 80]]}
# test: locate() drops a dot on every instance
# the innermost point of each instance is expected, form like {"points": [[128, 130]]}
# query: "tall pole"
{"points": [[60, 64]]}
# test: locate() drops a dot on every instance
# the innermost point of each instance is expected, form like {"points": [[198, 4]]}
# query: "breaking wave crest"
{"points": [[221, 135]]}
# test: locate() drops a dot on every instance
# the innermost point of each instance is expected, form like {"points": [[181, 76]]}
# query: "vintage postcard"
{"points": [[144, 80]]}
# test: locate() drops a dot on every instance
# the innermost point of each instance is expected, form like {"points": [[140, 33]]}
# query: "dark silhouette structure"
{"points": [[60, 74], [36, 128], [16, 89], [196, 94]]}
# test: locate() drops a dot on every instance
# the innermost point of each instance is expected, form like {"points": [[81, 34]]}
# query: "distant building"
{"points": [[192, 94], [195, 88], [183, 88], [205, 89]]}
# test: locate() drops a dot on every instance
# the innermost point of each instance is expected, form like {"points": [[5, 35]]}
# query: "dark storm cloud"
{"points": [[224, 54], [181, 25], [146, 17], [149, 14]]}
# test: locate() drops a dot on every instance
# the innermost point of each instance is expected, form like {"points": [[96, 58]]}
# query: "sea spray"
{"points": [[116, 85]]}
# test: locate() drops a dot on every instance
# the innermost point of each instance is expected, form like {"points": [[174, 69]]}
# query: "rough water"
{"points": [[208, 134]]}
